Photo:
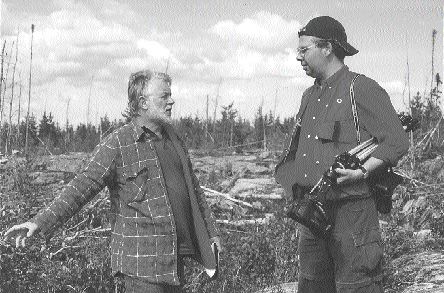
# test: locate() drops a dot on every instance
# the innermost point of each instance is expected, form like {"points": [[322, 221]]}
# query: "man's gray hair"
{"points": [[137, 83]]}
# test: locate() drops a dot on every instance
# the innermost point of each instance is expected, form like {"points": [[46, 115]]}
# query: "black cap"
{"points": [[328, 28]]}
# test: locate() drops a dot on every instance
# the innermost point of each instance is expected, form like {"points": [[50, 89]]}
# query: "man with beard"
{"points": [[159, 212], [350, 259]]}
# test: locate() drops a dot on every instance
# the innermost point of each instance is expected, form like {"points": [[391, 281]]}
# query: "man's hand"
{"points": [[216, 240], [348, 176], [21, 232]]}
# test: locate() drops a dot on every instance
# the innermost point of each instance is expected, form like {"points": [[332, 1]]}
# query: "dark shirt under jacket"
{"points": [[177, 193], [328, 128]]}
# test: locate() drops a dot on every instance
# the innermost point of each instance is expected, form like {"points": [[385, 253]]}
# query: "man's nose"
{"points": [[170, 101]]}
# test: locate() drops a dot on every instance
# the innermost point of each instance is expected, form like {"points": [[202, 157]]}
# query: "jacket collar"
{"points": [[144, 132]]}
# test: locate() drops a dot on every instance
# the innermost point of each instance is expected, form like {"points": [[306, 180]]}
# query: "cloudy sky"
{"points": [[245, 50]]}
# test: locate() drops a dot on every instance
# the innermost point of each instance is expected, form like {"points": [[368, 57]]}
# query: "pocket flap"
{"points": [[326, 130], [338, 131], [366, 237], [133, 170]]}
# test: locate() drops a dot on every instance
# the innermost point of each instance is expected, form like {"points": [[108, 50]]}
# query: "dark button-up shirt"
{"points": [[327, 126]]}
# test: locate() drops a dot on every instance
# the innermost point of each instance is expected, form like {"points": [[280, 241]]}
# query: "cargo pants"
{"points": [[350, 261]]}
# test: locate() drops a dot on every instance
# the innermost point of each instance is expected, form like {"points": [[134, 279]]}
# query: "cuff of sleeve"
{"points": [[383, 153], [44, 227]]}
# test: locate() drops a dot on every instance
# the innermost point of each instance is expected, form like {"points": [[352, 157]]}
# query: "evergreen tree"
{"points": [[242, 130], [105, 126], [259, 127], [227, 124], [32, 130]]}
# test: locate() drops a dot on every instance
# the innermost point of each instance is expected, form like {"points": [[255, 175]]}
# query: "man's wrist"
{"points": [[364, 172]]}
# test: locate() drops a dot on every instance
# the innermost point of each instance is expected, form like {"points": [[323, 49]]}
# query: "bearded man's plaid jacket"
{"points": [[143, 241]]}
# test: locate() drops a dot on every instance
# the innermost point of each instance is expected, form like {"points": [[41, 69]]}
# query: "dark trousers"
{"points": [[351, 260]]}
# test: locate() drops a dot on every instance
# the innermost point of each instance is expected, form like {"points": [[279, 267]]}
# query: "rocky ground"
{"points": [[244, 182]]}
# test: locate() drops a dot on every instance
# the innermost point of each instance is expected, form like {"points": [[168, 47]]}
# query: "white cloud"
{"points": [[154, 49], [82, 29], [115, 10], [66, 4], [245, 63], [394, 86], [75, 42], [264, 30]]}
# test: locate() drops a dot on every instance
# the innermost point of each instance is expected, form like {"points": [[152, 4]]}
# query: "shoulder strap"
{"points": [[354, 109]]}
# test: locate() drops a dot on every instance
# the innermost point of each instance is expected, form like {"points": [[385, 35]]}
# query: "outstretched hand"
{"points": [[21, 233]]}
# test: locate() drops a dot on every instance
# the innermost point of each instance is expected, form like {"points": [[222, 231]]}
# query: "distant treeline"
{"points": [[230, 133]]}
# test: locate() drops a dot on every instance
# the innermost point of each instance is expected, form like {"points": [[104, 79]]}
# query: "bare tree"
{"points": [[2, 108], [29, 93], [206, 124], [19, 112], [67, 125], [9, 135], [1, 78], [215, 106], [1, 72]]}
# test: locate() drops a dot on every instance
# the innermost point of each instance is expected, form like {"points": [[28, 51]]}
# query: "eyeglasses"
{"points": [[301, 51]]}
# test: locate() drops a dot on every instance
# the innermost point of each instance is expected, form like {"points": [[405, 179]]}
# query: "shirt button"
{"points": [[304, 155], [326, 105], [314, 117], [305, 175], [316, 137], [308, 136], [317, 162], [319, 100]]}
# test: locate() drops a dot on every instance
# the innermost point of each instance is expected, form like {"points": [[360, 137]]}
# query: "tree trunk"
{"points": [[4, 93], [18, 114], [1, 77], [8, 140], [29, 93]]}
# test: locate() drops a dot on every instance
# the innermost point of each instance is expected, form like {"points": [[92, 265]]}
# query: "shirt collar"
{"points": [[334, 78], [143, 132]]}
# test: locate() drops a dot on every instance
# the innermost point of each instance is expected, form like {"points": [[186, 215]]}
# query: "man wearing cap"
{"points": [[350, 260], [159, 212]]}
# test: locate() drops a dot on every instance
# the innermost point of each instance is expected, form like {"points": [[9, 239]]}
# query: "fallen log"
{"points": [[238, 175], [261, 196], [256, 221], [226, 196], [238, 223]]}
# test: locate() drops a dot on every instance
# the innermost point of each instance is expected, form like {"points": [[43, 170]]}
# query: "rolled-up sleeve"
{"points": [[378, 117]]}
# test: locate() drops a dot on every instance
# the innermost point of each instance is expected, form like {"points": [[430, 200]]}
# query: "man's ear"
{"points": [[143, 103], [327, 50]]}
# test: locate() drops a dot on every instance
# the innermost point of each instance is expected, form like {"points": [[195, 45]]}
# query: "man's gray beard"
{"points": [[161, 121]]}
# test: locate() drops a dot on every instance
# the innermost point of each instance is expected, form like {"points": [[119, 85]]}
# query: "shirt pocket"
{"points": [[342, 131], [138, 179]]}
